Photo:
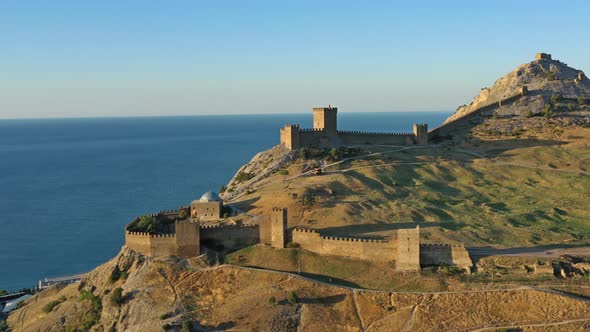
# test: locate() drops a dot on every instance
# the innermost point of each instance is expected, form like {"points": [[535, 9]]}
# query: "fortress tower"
{"points": [[278, 227], [326, 118], [421, 133], [290, 137], [542, 56]]}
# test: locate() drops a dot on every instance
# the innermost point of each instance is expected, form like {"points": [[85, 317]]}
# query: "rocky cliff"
{"points": [[544, 78]]}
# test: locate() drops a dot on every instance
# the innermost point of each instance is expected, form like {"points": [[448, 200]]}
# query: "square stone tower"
{"points": [[421, 133], [278, 227], [326, 118], [542, 56]]}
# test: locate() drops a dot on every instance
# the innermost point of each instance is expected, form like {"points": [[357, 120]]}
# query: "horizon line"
{"points": [[193, 115]]}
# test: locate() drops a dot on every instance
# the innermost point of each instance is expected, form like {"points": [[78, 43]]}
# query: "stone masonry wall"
{"points": [[230, 236], [408, 249], [365, 249], [355, 137], [444, 254]]}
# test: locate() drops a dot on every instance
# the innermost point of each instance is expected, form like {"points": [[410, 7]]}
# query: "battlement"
{"points": [[325, 109], [277, 209], [445, 245], [218, 226], [370, 133], [352, 239], [311, 129], [304, 230], [292, 126]]}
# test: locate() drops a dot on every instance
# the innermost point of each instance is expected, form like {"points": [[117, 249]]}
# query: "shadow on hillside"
{"points": [[330, 280], [323, 300], [355, 230], [477, 253], [244, 205], [494, 148], [219, 327]]}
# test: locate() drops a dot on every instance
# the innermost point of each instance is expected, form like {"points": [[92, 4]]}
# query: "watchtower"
{"points": [[278, 227], [290, 136], [421, 133], [326, 118], [542, 56], [580, 76], [523, 90]]}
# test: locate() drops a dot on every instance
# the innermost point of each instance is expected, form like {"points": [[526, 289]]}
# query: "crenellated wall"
{"points": [[446, 128], [230, 236], [325, 134], [445, 254], [183, 242], [402, 249], [359, 137]]}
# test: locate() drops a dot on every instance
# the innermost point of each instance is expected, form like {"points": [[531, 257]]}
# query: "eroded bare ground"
{"points": [[160, 292]]}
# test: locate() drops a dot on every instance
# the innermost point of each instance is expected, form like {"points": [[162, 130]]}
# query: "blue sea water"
{"points": [[68, 186]]}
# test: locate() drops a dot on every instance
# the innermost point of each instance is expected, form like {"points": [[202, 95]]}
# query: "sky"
{"points": [[148, 57]]}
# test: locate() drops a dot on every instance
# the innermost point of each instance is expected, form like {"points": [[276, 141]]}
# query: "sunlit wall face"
{"points": [[113, 58]]}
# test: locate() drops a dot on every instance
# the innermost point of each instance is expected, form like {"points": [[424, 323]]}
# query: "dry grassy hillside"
{"points": [[167, 294], [504, 191]]}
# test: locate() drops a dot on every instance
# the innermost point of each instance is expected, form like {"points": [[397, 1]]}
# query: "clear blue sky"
{"points": [[119, 58]]}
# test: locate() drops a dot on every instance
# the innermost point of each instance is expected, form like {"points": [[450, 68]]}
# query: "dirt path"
{"points": [[356, 310]]}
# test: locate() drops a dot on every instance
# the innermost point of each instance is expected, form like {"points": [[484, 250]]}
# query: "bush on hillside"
{"points": [[243, 176], [117, 296], [49, 306], [292, 298]]}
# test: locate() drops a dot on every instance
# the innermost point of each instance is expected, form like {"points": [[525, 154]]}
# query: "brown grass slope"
{"points": [[162, 294]]}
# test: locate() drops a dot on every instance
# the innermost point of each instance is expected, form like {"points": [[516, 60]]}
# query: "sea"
{"points": [[69, 186]]}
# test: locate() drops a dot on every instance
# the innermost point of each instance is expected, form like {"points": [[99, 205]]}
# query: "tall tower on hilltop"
{"points": [[326, 118]]}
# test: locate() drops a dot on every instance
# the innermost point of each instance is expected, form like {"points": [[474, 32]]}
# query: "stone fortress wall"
{"points": [[402, 249], [445, 254], [187, 237], [446, 128], [325, 134], [184, 242]]}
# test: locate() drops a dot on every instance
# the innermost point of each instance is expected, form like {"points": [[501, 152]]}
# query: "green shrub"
{"points": [[334, 154], [283, 172], [49, 306], [292, 245], [307, 199], [182, 214], [3, 292], [548, 110], [554, 99], [163, 316], [304, 153], [292, 298], [272, 300], [571, 107], [166, 327], [186, 326], [117, 296], [115, 274], [529, 114], [550, 76], [3, 325], [147, 224], [243, 176]]}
